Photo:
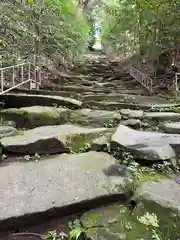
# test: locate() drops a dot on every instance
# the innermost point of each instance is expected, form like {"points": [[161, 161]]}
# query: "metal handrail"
{"points": [[143, 79], [26, 70]]}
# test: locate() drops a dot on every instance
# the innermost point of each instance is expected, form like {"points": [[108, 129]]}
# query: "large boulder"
{"points": [[148, 145], [35, 116], [95, 118], [51, 139], [51, 184]]}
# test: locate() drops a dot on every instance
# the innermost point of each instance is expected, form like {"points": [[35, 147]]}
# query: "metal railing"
{"points": [[176, 85], [15, 76], [143, 79]]}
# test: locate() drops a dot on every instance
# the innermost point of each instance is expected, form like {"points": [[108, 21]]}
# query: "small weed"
{"points": [[111, 123], [27, 157], [86, 148], [76, 231], [36, 157], [165, 109], [20, 131], [53, 235]]}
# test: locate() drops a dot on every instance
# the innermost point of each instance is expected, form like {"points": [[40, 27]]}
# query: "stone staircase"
{"points": [[53, 141]]}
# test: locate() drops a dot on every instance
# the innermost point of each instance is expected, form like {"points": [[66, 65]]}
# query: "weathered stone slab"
{"points": [[128, 113], [162, 116], [24, 100], [134, 123], [6, 131], [48, 92], [162, 194], [124, 105], [173, 127], [35, 187], [51, 139], [95, 118], [35, 116], [151, 145]]}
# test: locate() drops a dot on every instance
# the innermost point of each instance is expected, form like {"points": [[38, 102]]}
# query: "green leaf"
{"points": [[76, 233], [3, 44]]}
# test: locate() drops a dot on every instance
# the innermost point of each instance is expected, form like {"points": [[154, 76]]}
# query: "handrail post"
{"points": [[13, 78], [29, 70], [22, 74], [176, 85], [2, 81]]}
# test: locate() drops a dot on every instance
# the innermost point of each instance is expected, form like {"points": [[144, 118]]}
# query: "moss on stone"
{"points": [[20, 131], [80, 142], [116, 222], [150, 176], [78, 118], [34, 118]]}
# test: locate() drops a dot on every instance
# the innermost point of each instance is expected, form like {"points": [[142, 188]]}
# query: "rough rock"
{"points": [[115, 222], [134, 123], [121, 105], [35, 116], [24, 100], [149, 145], [161, 152], [6, 131], [36, 187], [173, 127], [51, 139], [128, 113], [48, 92], [161, 195], [162, 116], [95, 118], [8, 123], [100, 143]]}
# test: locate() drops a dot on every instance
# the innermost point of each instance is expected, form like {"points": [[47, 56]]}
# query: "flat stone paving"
{"points": [[56, 182]]}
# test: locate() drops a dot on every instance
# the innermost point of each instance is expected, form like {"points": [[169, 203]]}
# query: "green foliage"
{"points": [[140, 26], [49, 27], [76, 231]]}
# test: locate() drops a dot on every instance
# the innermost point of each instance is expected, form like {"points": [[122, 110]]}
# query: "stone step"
{"points": [[71, 94], [126, 97], [150, 146], [13, 100], [51, 139], [36, 116], [131, 103], [38, 190]]}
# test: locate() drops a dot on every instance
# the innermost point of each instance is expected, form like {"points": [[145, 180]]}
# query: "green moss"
{"points": [[22, 113], [20, 131], [78, 118], [30, 119], [116, 222], [80, 142], [150, 176]]}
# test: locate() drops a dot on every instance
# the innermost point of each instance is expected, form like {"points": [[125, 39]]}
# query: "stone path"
{"points": [[94, 111]]}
